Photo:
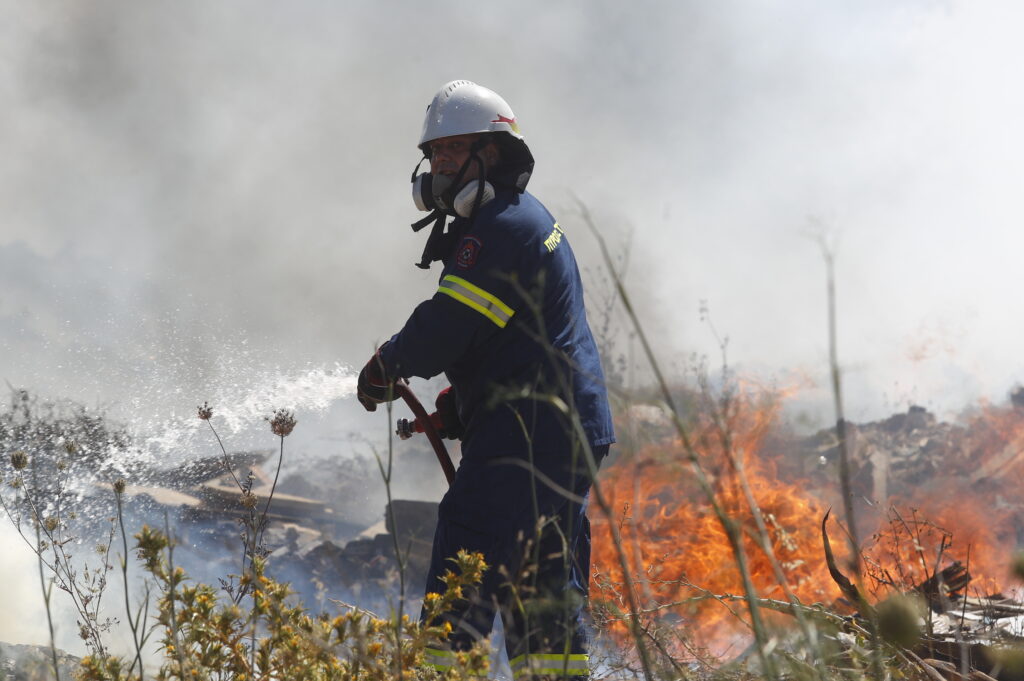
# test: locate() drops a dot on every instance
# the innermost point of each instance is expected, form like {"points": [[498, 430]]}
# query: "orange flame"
{"points": [[683, 567]]}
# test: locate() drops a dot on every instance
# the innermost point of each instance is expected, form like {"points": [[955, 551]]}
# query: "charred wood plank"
{"points": [[950, 582], [848, 588], [948, 670]]}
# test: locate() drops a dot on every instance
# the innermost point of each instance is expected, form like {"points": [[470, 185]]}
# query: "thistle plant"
{"points": [[252, 520]]}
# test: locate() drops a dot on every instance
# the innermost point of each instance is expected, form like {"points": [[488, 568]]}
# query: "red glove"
{"points": [[448, 413], [374, 387]]}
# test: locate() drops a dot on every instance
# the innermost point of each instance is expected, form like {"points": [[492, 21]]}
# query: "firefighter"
{"points": [[508, 328]]}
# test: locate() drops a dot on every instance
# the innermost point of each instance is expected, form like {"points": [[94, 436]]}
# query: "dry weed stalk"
{"points": [[253, 522], [828, 254], [38, 510], [731, 527]]}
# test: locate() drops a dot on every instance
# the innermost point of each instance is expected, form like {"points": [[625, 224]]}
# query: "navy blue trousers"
{"points": [[536, 542]]}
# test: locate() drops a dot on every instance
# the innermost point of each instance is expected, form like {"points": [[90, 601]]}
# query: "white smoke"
{"points": [[180, 178]]}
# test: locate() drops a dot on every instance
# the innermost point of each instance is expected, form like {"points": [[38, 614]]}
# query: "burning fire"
{"points": [[968, 511], [683, 566]]}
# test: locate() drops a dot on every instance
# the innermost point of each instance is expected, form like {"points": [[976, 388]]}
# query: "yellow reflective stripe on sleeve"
{"points": [[549, 664], [477, 298], [439, 659]]}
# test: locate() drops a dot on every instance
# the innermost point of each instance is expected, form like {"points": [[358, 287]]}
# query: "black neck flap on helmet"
{"points": [[515, 164], [440, 243]]}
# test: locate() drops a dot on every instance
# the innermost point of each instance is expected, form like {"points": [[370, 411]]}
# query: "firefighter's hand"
{"points": [[451, 425], [374, 387]]}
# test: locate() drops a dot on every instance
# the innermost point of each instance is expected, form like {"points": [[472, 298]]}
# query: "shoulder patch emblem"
{"points": [[465, 256]]}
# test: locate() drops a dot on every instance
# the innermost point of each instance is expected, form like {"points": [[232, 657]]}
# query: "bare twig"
{"points": [[133, 622]]}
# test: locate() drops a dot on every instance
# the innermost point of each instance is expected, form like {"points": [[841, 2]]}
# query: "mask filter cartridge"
{"points": [[466, 198], [428, 193]]}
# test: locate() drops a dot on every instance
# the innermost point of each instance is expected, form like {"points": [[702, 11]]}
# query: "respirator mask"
{"points": [[445, 195], [437, 192]]}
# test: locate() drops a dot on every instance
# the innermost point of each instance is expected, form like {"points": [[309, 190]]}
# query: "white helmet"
{"points": [[461, 107], [464, 108]]}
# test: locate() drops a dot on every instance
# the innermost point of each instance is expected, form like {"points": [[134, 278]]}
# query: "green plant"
{"points": [[208, 638]]}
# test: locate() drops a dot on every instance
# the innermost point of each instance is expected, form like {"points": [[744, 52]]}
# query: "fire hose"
{"points": [[426, 425]]}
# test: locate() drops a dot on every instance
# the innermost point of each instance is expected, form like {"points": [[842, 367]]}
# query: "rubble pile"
{"points": [[912, 454], [973, 464], [964, 631], [364, 571], [24, 662], [887, 456], [347, 556], [206, 490]]}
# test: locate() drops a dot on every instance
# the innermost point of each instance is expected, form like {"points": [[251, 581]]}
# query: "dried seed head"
{"points": [[205, 411], [248, 500], [1018, 566], [119, 486], [282, 423], [899, 620], [62, 465], [50, 524], [19, 460], [70, 446]]}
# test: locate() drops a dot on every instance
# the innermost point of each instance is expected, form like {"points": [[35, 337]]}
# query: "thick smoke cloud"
{"points": [[192, 186]]}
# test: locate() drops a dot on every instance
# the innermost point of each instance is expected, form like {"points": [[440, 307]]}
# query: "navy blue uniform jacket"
{"points": [[508, 327]]}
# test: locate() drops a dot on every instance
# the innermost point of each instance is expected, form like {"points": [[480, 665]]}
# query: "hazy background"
{"points": [[210, 201]]}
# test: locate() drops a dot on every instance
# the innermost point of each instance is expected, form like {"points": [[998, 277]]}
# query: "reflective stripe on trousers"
{"points": [[540, 663]]}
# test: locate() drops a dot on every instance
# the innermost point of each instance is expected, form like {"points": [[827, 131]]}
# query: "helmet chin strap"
{"points": [[440, 243]]}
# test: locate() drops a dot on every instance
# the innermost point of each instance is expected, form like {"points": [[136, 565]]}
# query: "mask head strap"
{"points": [[474, 155], [417, 168]]}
